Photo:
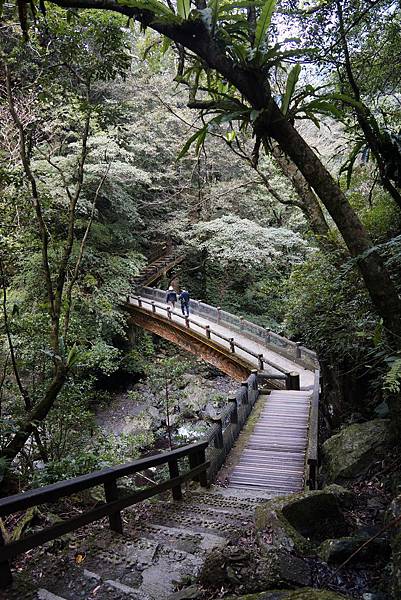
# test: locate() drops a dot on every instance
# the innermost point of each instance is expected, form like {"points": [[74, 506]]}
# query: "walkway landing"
{"points": [[273, 458]]}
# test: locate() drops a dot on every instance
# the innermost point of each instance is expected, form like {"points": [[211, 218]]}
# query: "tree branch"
{"points": [[35, 196], [74, 278], [21, 387]]}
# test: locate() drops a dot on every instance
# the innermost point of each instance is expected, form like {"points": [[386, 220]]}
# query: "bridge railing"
{"points": [[279, 344], [291, 379], [229, 423]]}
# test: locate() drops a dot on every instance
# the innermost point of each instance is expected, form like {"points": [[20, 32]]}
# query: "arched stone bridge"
{"points": [[231, 343]]}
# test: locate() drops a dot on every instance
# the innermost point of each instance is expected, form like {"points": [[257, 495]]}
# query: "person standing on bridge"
{"points": [[184, 297], [171, 297]]}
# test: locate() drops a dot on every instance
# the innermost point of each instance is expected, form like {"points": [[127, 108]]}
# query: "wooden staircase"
{"points": [[274, 456], [157, 269]]}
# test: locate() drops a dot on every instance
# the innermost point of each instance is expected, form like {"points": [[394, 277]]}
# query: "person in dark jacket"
{"points": [[184, 297], [171, 296]]}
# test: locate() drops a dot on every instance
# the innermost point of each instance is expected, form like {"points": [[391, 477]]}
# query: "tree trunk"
{"points": [[381, 289], [38, 413], [311, 206]]}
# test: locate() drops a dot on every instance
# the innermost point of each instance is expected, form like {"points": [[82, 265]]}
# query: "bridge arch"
{"points": [[188, 339]]}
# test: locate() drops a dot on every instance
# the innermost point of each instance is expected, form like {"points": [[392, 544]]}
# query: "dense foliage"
{"points": [[97, 190]]}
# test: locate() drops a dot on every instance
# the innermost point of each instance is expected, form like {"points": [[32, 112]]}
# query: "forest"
{"points": [[255, 147]]}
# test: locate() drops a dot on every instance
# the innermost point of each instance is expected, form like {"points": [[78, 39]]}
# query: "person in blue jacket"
{"points": [[171, 296], [184, 297]]}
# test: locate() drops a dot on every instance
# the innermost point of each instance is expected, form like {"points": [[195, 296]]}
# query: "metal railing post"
{"points": [[187, 322], [208, 332], [244, 384], [218, 308], [234, 414], [153, 306], [292, 381], [139, 301], [241, 324], [298, 351], [111, 493], [174, 472], [260, 362], [169, 312]]}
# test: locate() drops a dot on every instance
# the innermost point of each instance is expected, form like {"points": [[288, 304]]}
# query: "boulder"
{"points": [[254, 570], [156, 419], [302, 521], [281, 569], [338, 550], [352, 451], [303, 594], [189, 593]]}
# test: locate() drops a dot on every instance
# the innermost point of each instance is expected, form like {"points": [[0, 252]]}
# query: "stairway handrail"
{"points": [[205, 459]]}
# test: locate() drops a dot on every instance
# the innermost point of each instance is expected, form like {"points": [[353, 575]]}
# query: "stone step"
{"points": [[46, 595], [200, 524]]}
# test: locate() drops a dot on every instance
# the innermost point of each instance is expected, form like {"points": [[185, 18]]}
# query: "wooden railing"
{"points": [[294, 351], [229, 423], [205, 459], [311, 463], [291, 378], [114, 501]]}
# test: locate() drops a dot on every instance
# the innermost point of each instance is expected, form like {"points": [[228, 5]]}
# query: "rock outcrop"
{"points": [[351, 452], [301, 522]]}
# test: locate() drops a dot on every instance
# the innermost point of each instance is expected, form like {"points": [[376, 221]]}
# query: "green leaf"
{"points": [[230, 136], [347, 100], [191, 140], [349, 165], [201, 139], [166, 44], [290, 87], [263, 23], [324, 107], [215, 7], [74, 356], [158, 8], [183, 8], [228, 7]]}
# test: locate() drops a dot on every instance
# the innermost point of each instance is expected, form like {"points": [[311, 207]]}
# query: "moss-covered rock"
{"points": [[254, 569], [302, 521], [352, 451], [281, 569], [340, 549], [304, 594]]}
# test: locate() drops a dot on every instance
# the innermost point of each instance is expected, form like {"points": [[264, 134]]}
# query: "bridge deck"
{"points": [[273, 458], [198, 324]]}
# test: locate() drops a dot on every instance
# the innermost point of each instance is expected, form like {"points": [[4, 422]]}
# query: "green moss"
{"points": [[300, 521], [350, 452]]}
